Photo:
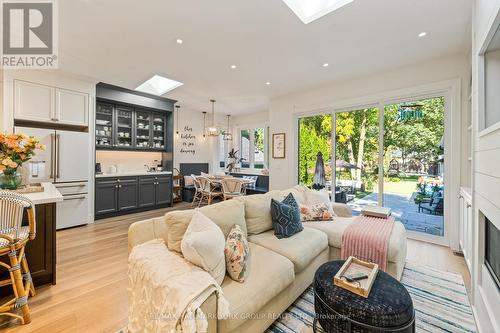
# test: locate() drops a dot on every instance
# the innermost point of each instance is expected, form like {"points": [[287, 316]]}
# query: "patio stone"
{"points": [[405, 210]]}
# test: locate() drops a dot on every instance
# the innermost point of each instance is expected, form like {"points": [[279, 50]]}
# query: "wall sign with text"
{"points": [[187, 141]]}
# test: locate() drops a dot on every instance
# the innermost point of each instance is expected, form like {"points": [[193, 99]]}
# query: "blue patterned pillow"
{"points": [[286, 217]]}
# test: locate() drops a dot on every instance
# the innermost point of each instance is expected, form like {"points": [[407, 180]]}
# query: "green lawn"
{"points": [[402, 187]]}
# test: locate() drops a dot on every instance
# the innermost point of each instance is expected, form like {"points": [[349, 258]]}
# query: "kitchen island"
{"points": [[41, 252]]}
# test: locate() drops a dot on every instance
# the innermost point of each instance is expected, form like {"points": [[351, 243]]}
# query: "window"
{"points": [[254, 147]]}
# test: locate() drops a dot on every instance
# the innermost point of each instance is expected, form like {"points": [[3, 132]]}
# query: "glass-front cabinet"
{"points": [[104, 125], [159, 124], [124, 123], [122, 127], [143, 129]]}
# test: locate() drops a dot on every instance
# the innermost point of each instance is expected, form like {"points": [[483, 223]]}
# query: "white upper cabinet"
{"points": [[41, 103], [72, 108], [34, 102]]}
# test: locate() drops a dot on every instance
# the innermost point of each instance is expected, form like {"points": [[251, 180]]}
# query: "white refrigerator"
{"points": [[65, 163]]}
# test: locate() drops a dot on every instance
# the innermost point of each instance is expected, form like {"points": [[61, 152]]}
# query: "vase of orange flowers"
{"points": [[15, 149]]}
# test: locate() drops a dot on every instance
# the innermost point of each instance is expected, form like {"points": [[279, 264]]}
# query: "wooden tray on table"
{"points": [[351, 266]]}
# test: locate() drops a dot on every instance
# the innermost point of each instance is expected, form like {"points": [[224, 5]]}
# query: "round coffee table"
{"points": [[388, 308]]}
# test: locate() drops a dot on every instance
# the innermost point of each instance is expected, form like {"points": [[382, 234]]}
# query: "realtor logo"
{"points": [[29, 34]]}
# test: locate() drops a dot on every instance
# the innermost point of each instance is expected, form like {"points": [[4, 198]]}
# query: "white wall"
{"points": [[485, 171], [189, 146]]}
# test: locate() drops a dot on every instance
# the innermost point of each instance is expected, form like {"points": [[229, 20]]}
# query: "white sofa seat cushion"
{"points": [[300, 248], [269, 275], [335, 229], [225, 214]]}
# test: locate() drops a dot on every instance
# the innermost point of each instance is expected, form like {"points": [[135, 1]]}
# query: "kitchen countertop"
{"points": [[49, 195], [133, 173]]}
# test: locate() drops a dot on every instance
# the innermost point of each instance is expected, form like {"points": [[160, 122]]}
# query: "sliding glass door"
{"points": [[390, 155], [357, 158], [414, 164]]}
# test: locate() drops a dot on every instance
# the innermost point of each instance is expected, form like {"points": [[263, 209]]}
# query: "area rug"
{"points": [[439, 297]]}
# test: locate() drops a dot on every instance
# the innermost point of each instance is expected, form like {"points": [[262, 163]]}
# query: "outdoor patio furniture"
{"points": [[435, 206]]}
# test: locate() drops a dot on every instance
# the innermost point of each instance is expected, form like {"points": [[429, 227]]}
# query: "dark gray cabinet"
{"points": [[147, 193], [163, 190], [127, 194], [114, 196], [106, 194], [120, 127]]}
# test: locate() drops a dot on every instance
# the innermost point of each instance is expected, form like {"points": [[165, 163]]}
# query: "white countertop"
{"points": [[133, 173], [49, 195]]}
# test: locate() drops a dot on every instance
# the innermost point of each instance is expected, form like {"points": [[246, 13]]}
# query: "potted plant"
{"points": [[15, 149], [235, 160]]}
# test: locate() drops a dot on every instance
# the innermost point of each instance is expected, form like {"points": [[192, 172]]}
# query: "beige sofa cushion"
{"points": [[225, 214], [335, 229], [269, 274], [300, 248], [258, 211]]}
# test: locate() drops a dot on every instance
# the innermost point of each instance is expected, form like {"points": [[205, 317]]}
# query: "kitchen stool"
{"points": [[13, 239]]}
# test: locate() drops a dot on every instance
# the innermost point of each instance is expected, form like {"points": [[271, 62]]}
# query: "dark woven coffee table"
{"points": [[389, 307]]}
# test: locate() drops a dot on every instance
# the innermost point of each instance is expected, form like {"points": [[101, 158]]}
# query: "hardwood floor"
{"points": [[91, 290]]}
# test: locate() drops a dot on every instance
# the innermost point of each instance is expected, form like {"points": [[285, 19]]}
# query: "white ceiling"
{"points": [[126, 42]]}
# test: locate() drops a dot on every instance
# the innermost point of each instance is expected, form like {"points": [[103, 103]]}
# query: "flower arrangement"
{"points": [[15, 149]]}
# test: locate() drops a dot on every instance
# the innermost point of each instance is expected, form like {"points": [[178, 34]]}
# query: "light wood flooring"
{"points": [[91, 290]]}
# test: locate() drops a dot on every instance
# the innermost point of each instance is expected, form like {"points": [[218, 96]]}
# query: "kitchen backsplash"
{"points": [[126, 160]]}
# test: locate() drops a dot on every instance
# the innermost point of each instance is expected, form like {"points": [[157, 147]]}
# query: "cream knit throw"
{"points": [[166, 291]]}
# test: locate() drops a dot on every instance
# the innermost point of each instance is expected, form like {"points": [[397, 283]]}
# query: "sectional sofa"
{"points": [[280, 269]]}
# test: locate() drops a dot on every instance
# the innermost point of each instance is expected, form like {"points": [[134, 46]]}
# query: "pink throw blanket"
{"points": [[367, 238]]}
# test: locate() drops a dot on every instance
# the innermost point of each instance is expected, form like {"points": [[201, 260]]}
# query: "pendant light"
{"points": [[212, 130], [228, 136], [177, 107], [204, 123]]}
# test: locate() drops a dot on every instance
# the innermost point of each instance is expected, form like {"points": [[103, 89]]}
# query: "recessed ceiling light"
{"points": [[233, 66], [179, 41], [158, 85], [422, 34], [268, 83], [309, 10], [325, 64]]}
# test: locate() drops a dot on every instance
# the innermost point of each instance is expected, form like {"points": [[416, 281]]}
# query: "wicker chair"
{"points": [[232, 188], [209, 191], [198, 192], [13, 239]]}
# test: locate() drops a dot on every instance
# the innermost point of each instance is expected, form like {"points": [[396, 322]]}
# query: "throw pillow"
{"points": [[237, 254], [253, 180], [316, 212], [319, 197], [203, 245], [286, 217]]}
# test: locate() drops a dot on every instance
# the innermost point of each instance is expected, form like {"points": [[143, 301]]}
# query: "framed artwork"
{"points": [[279, 145]]}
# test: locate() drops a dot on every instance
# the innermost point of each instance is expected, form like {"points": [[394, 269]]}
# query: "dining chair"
{"points": [[13, 240], [198, 192], [232, 188], [209, 191]]}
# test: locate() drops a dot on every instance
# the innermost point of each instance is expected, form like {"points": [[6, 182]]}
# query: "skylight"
{"points": [[310, 10], [158, 85]]}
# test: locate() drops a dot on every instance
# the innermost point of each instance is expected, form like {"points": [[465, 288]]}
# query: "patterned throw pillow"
{"points": [[237, 254], [286, 217], [316, 212]]}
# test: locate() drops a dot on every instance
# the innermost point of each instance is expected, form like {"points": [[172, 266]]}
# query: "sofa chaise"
{"points": [[280, 269]]}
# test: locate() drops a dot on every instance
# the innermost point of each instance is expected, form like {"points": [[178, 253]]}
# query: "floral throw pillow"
{"points": [[237, 254], [316, 212]]}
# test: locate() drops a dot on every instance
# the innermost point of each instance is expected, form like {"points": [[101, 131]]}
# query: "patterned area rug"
{"points": [[439, 298]]}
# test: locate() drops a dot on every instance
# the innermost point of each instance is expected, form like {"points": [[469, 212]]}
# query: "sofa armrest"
{"points": [[341, 210], [143, 231]]}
